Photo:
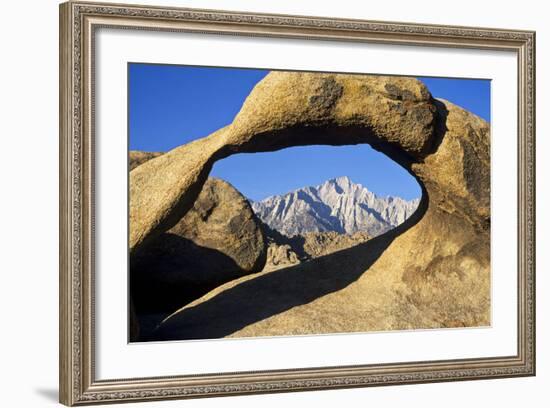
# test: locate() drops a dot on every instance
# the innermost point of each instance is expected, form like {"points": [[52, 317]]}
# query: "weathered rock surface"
{"points": [[218, 240], [317, 244], [164, 189], [432, 271], [286, 251], [280, 255], [137, 158]]}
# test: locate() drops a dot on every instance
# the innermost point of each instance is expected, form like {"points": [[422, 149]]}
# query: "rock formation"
{"points": [[316, 244], [280, 255], [432, 271], [137, 157], [218, 240], [338, 205], [287, 251], [286, 109]]}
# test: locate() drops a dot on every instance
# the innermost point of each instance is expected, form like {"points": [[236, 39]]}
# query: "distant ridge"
{"points": [[338, 205]]}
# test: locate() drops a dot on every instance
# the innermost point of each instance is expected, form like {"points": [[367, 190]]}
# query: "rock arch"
{"points": [[432, 273]]}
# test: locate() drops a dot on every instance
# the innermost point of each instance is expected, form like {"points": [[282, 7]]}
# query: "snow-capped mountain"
{"points": [[336, 205]]}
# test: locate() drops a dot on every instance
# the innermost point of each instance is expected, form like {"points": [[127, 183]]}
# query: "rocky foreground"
{"points": [[219, 240], [432, 271], [285, 251]]}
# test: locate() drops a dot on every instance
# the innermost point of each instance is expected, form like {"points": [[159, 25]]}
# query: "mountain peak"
{"points": [[343, 182], [342, 179], [338, 205]]}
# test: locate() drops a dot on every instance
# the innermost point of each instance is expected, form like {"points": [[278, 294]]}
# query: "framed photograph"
{"points": [[256, 203]]}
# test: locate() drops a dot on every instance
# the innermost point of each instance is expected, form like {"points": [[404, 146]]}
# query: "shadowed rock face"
{"points": [[432, 271], [218, 240]]}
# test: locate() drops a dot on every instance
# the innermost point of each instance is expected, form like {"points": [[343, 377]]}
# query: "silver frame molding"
{"points": [[78, 22]]}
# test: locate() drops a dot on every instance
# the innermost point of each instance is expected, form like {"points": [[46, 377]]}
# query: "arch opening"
{"points": [[315, 200]]}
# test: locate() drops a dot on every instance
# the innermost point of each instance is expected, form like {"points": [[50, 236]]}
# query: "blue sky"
{"points": [[172, 105]]}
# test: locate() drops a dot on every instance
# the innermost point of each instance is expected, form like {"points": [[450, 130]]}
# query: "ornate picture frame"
{"points": [[79, 22]]}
